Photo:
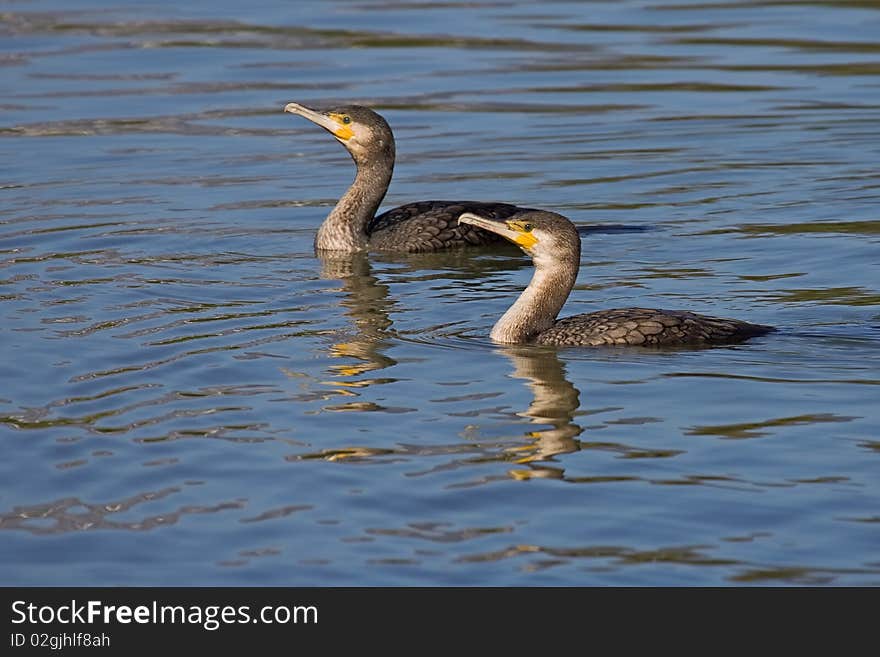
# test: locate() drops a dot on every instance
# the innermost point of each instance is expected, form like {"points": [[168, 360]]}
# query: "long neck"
{"points": [[539, 304], [345, 228]]}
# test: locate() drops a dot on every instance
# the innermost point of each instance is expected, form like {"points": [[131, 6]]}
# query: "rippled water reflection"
{"points": [[190, 395]]}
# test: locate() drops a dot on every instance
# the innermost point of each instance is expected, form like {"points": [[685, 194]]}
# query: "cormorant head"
{"points": [[365, 134], [547, 237]]}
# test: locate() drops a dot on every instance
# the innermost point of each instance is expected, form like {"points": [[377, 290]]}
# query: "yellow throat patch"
{"points": [[343, 130], [524, 238]]}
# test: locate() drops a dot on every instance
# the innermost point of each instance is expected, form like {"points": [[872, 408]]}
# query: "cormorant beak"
{"points": [[510, 229], [330, 122]]}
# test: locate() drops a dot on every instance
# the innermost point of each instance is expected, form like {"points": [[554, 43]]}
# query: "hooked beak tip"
{"points": [[476, 220]]}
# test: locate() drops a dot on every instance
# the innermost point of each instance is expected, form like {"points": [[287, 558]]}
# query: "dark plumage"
{"points": [[433, 225], [415, 227], [644, 326], [555, 247]]}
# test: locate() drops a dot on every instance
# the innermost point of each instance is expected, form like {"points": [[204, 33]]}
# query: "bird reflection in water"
{"points": [[366, 302], [554, 402]]}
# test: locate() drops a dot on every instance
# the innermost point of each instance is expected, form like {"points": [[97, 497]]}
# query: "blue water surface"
{"points": [[190, 396]]}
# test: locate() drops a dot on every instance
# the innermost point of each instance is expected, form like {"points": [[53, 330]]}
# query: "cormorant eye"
{"points": [[527, 228], [346, 119]]}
